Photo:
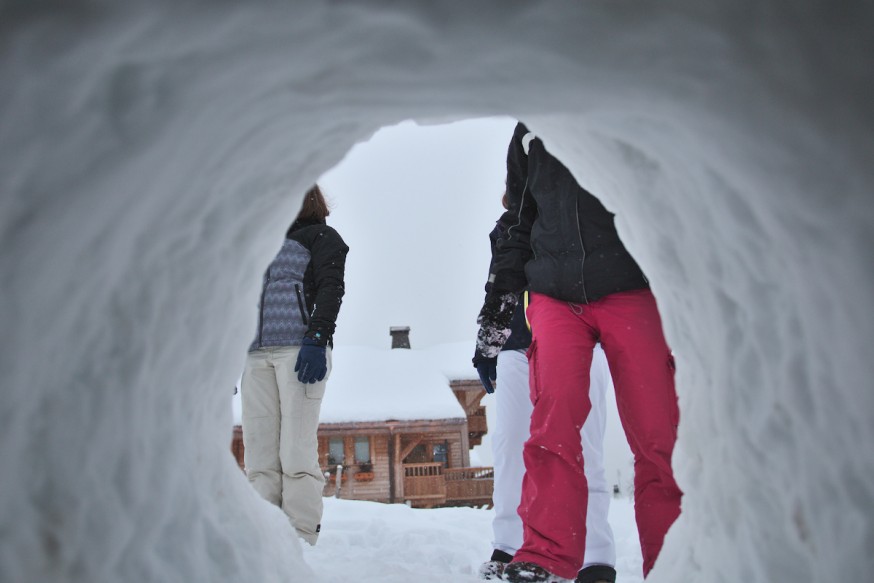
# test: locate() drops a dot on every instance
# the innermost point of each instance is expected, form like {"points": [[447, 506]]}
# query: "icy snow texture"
{"points": [[147, 153]]}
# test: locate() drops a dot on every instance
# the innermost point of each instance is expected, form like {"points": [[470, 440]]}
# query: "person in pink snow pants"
{"points": [[507, 376], [584, 287]]}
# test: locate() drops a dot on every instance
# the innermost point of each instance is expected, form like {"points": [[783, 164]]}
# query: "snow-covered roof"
{"points": [[454, 360], [372, 384]]}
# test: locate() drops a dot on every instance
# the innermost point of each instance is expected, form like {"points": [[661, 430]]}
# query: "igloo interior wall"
{"points": [[151, 150]]}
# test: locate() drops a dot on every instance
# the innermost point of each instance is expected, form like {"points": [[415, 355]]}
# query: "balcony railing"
{"points": [[470, 485], [433, 485], [424, 484]]}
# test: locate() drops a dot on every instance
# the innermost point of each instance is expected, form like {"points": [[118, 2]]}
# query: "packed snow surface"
{"points": [[396, 544], [151, 152]]}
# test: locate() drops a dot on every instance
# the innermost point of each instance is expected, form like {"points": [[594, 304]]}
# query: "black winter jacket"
{"points": [[560, 240], [303, 287]]}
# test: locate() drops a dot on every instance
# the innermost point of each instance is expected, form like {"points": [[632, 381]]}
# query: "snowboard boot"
{"points": [[524, 572], [494, 567], [597, 574]]}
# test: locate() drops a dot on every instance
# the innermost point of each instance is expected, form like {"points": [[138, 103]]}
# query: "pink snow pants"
{"points": [[554, 490]]}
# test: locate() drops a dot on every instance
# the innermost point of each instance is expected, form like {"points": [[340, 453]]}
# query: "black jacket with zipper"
{"points": [[303, 287], [560, 240]]}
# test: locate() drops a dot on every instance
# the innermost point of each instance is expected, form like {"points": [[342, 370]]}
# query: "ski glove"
{"points": [[494, 323], [312, 365], [488, 371]]}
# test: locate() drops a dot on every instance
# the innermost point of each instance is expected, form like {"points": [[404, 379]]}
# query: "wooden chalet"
{"points": [[388, 449]]}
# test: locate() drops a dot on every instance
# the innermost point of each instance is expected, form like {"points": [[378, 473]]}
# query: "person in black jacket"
{"points": [[585, 288], [288, 364]]}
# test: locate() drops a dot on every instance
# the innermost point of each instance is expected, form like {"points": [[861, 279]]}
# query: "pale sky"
{"points": [[415, 204]]}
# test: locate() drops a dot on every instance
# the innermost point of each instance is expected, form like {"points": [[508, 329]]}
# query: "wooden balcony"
{"points": [[476, 423], [424, 485], [477, 426], [430, 485], [469, 486]]}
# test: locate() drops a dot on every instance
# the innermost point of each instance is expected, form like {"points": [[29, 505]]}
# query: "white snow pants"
{"points": [[280, 426], [512, 422]]}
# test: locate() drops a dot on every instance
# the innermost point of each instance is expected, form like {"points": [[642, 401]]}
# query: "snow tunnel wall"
{"points": [[151, 156]]}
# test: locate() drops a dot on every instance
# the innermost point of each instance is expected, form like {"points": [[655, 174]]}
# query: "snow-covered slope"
{"points": [[150, 152]]}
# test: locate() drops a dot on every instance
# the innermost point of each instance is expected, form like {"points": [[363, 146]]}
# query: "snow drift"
{"points": [[150, 152]]}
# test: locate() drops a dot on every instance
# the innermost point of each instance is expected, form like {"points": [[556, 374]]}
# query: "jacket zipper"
{"points": [[521, 204], [303, 315], [583, 249], [261, 309]]}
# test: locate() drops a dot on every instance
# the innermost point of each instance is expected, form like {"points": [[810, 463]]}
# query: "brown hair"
{"points": [[314, 205]]}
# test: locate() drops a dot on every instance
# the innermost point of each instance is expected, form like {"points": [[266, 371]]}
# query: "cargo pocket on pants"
{"points": [[315, 390], [533, 377], [310, 407]]}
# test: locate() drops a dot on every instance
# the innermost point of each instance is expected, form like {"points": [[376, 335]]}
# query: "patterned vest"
{"points": [[283, 318]]}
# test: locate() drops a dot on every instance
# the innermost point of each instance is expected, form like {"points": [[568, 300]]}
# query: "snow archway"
{"points": [[147, 155]]}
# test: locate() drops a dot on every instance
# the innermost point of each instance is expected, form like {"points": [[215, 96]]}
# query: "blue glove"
{"points": [[488, 371], [312, 365]]}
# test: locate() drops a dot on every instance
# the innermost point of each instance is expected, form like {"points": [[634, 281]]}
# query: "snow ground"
{"points": [[367, 541], [151, 152]]}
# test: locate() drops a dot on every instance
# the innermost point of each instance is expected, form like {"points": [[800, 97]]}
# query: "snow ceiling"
{"points": [[151, 152]]}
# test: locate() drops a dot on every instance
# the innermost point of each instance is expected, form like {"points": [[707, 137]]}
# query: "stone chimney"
{"points": [[400, 336]]}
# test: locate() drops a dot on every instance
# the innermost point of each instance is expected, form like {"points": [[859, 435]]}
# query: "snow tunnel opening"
{"points": [[393, 198], [142, 145]]}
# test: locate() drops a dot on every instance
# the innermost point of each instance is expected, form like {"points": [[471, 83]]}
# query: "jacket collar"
{"points": [[301, 223]]}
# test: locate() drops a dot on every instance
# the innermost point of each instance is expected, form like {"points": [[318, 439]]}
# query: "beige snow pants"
{"points": [[280, 423]]}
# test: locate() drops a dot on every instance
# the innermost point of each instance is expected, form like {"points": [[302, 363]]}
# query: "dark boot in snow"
{"points": [[523, 572], [494, 567], [597, 574]]}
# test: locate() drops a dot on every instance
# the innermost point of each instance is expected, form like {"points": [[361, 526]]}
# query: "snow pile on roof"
{"points": [[454, 360], [369, 384]]}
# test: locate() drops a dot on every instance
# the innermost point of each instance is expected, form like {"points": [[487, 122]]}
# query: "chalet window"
{"points": [[336, 455], [419, 455], [437, 452], [362, 450], [441, 453]]}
